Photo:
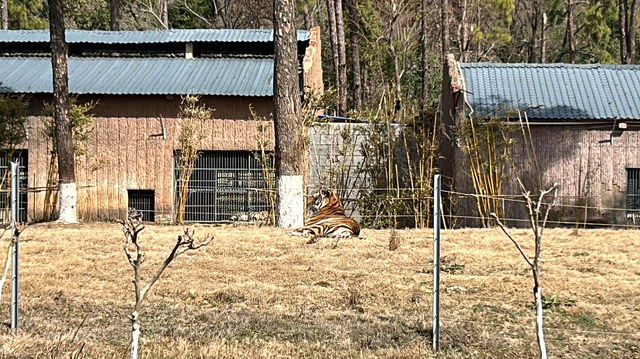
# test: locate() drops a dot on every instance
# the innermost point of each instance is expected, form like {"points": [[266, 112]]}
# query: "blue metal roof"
{"points": [[565, 91], [153, 36], [143, 76]]}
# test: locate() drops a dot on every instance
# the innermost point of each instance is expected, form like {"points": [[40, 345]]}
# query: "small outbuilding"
{"points": [[581, 130]]}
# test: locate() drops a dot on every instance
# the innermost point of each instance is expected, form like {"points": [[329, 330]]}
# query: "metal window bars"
{"points": [[5, 168], [226, 186]]}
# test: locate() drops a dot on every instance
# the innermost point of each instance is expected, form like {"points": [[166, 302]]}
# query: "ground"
{"points": [[259, 293]]}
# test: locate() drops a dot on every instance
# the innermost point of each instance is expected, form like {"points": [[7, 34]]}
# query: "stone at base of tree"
{"points": [[291, 202], [68, 203]]}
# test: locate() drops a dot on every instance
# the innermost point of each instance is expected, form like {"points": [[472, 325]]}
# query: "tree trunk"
{"points": [[425, 57], [342, 57], [331, 13], [135, 335], [5, 14], [165, 13], [534, 33], [444, 31], [543, 40], [463, 33], [64, 142], [631, 37], [289, 144], [537, 293], [115, 10], [354, 32], [571, 30], [622, 12]]}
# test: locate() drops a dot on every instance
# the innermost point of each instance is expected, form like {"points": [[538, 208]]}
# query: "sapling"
{"points": [[132, 226], [538, 211]]}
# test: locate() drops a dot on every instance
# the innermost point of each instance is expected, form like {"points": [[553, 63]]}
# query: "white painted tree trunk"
{"points": [[68, 203], [135, 337], [540, 332], [291, 203]]}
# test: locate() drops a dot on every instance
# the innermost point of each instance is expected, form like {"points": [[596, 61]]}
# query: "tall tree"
{"points": [[342, 58], [164, 10], [444, 30], [64, 143], [4, 14], [333, 35], [354, 35], [628, 29], [115, 10], [289, 129], [425, 55], [571, 31]]}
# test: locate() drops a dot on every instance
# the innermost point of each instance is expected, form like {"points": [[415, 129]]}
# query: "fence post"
{"points": [[15, 178], [436, 262]]}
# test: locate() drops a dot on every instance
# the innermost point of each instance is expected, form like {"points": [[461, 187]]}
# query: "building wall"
{"points": [[162, 106], [129, 153], [588, 164]]}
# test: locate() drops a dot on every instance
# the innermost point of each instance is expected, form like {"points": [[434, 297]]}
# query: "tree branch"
{"points": [[501, 225]]}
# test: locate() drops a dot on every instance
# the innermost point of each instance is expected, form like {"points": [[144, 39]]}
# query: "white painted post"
{"points": [[436, 262], [14, 229]]}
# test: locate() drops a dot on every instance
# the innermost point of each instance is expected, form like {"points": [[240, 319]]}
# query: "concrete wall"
{"points": [[330, 153]]}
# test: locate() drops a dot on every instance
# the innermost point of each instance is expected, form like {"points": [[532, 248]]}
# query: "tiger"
{"points": [[328, 218]]}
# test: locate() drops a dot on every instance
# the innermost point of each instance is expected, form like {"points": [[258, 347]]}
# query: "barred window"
{"points": [[633, 190]]}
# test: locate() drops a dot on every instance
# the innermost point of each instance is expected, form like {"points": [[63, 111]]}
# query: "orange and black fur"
{"points": [[328, 218]]}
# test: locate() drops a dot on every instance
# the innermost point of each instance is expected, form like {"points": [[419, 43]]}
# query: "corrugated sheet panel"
{"points": [[153, 36], [143, 76], [566, 92]]}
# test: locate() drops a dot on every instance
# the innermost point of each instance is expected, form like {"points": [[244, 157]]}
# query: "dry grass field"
{"points": [[259, 293]]}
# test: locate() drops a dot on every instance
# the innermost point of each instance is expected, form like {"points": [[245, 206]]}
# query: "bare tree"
{"points": [[115, 11], [444, 30], [64, 142], [628, 27], [543, 39], [289, 130], [132, 227], [538, 215], [571, 31], [333, 35], [353, 16], [342, 58], [425, 55]]}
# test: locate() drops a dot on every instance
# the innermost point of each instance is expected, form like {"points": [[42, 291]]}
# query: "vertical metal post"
{"points": [[14, 232], [436, 262]]}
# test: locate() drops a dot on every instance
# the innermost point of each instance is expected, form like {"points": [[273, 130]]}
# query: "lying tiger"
{"points": [[328, 218]]}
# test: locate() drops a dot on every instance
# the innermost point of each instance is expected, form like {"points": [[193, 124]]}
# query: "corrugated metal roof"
{"points": [[566, 91], [153, 36], [143, 76]]}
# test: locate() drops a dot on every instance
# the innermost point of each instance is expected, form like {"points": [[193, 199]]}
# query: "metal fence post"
{"points": [[436, 262], [15, 178]]}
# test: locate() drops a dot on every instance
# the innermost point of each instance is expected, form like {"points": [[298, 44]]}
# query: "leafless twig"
{"points": [[132, 226], [536, 210]]}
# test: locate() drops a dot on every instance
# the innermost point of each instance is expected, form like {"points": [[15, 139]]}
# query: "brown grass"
{"points": [[259, 293]]}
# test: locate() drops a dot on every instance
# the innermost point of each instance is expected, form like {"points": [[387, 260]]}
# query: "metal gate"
{"points": [[5, 173], [633, 194], [226, 184]]}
